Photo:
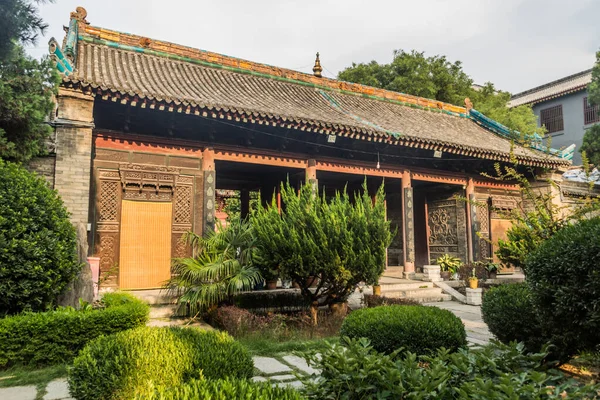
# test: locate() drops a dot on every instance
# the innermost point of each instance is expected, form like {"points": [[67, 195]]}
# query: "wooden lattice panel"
{"points": [[145, 248]]}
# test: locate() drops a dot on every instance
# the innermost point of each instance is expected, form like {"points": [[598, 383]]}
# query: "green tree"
{"points": [[27, 88], [342, 243], [591, 138], [437, 78], [21, 23]]}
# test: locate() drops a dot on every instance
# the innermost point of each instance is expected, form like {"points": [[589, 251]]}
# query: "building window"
{"points": [[591, 113], [552, 119]]}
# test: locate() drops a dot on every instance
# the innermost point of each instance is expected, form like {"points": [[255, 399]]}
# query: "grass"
{"points": [[259, 345], [23, 376]]}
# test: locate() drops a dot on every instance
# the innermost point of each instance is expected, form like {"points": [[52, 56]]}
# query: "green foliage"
{"points": [[20, 23], [449, 263], [224, 389], [132, 363], [437, 78], [341, 242], [55, 337], [271, 300], [413, 73], [416, 329], [511, 316], [564, 276], [370, 301], [27, 87], [38, 257], [594, 86], [221, 268], [354, 371]]}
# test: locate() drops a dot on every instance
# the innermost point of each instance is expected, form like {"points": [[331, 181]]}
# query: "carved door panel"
{"points": [[443, 229], [499, 228], [145, 256]]}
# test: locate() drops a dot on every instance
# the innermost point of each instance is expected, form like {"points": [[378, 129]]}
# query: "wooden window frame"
{"points": [[591, 114], [553, 119]]}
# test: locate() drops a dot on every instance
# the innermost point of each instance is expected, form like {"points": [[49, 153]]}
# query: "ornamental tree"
{"points": [[591, 138], [340, 242], [38, 257]]}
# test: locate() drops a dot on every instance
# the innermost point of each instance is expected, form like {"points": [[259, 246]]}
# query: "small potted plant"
{"points": [[473, 281], [492, 270], [448, 266], [376, 289]]}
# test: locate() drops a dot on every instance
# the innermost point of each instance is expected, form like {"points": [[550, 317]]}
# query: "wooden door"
{"points": [[499, 228], [145, 249]]}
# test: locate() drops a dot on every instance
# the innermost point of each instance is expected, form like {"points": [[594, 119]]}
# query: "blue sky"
{"points": [[517, 44]]}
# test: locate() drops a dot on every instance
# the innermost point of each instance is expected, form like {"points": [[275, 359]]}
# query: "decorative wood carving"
{"points": [[409, 226], [443, 229], [148, 176]]}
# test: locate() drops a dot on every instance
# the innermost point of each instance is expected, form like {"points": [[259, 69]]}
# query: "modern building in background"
{"points": [[562, 107]]}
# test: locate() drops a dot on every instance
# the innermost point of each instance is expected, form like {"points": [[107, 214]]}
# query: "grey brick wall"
{"points": [[43, 166]]}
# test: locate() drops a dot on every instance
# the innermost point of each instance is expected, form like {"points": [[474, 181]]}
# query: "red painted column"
{"points": [[470, 195]]}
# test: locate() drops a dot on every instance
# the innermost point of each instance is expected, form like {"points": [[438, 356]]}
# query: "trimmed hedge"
{"points": [[417, 329], [55, 337], [224, 389], [133, 363], [510, 315], [564, 276], [38, 258]]}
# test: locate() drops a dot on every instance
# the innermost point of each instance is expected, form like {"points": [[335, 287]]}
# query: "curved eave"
{"points": [[236, 114]]}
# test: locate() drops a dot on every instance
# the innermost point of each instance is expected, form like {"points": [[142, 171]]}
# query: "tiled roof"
{"points": [[560, 87], [147, 73]]}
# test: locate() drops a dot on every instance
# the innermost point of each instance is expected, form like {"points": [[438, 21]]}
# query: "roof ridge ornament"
{"points": [[317, 69], [80, 14], [468, 104]]}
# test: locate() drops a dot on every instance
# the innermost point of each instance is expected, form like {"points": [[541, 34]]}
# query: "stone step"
{"points": [[413, 285], [412, 294], [162, 311], [394, 272]]}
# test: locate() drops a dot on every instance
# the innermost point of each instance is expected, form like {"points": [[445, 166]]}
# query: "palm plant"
{"points": [[221, 267]]}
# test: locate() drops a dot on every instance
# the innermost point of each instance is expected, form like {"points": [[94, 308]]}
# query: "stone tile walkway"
{"points": [[478, 333], [56, 390], [282, 371]]}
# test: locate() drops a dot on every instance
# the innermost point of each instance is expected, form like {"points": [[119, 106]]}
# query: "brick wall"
{"points": [[43, 166]]}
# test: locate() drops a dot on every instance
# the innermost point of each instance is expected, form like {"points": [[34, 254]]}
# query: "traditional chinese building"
{"points": [[147, 131]]}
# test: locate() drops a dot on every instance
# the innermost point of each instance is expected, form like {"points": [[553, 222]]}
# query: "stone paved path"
{"points": [[478, 333], [282, 371], [56, 390]]}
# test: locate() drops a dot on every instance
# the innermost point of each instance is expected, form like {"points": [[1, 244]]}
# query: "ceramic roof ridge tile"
{"points": [[251, 66], [555, 88]]}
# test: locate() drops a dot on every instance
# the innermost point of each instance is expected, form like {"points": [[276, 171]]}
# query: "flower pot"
{"points": [[377, 290], [312, 281], [271, 285], [445, 275], [473, 283]]}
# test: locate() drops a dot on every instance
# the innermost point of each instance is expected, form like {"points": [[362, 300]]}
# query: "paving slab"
{"points": [[287, 377], [57, 390], [259, 379], [294, 384], [18, 393], [269, 366], [477, 330], [301, 364]]}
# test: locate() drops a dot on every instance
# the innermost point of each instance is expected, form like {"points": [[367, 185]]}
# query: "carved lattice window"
{"points": [[183, 205], [108, 201]]}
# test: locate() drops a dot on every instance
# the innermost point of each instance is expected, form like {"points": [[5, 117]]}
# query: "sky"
{"points": [[516, 44]]}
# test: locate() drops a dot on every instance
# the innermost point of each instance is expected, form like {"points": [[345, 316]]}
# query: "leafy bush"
{"points": [[341, 242], [355, 371], [564, 277], [131, 363], [449, 263], [271, 300], [421, 330], [38, 258], [56, 337], [224, 389], [370, 301], [510, 315]]}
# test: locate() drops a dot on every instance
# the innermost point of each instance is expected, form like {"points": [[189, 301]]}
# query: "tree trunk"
{"points": [[314, 311], [339, 309]]}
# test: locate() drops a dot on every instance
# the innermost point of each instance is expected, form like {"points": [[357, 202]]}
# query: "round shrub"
{"points": [[564, 276], [224, 389], [132, 363], [510, 315], [38, 257], [420, 330]]}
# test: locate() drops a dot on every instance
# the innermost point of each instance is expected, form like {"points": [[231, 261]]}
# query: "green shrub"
{"points": [[564, 277], [421, 330], [370, 301], [271, 300], [510, 315], [38, 257], [55, 337], [224, 389], [354, 371], [132, 363]]}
